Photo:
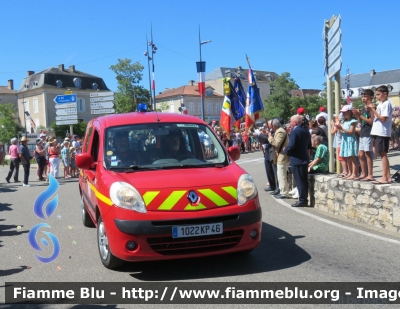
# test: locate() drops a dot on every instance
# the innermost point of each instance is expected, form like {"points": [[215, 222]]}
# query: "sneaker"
{"points": [[296, 195], [24, 185], [293, 191]]}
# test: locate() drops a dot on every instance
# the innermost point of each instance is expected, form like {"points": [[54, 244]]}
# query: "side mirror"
{"points": [[84, 161], [234, 152]]}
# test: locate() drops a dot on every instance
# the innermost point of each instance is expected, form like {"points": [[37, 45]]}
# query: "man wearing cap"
{"points": [[322, 113], [25, 157]]}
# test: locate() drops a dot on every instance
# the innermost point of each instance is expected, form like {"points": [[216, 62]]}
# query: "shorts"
{"points": [[338, 154], [382, 144], [365, 143], [66, 162]]}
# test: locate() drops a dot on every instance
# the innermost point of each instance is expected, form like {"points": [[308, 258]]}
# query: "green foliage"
{"points": [[164, 106], [129, 94], [281, 103], [358, 103], [6, 162], [60, 131], [8, 126]]}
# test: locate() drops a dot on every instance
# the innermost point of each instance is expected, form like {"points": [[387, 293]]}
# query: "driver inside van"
{"points": [[122, 155], [175, 146]]}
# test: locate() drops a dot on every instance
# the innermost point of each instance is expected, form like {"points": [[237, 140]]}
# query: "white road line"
{"points": [[247, 161], [337, 224]]}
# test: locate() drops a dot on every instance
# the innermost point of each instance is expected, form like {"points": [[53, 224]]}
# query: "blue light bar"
{"points": [[142, 107]]}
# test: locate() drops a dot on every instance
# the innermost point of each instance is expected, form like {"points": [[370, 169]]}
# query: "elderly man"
{"points": [[268, 162], [25, 157], [280, 140], [298, 151]]}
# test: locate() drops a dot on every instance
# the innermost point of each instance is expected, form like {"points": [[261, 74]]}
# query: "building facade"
{"points": [[372, 80], [263, 79], [171, 99], [37, 93], [8, 94]]}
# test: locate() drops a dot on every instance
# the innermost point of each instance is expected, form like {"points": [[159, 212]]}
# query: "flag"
{"points": [[201, 71], [241, 96], [254, 104], [232, 109], [348, 94], [33, 124]]}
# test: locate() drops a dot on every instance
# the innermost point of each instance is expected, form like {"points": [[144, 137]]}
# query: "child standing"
{"points": [[65, 160]]}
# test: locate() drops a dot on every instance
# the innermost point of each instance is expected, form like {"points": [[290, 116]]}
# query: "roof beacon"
{"points": [[142, 108]]}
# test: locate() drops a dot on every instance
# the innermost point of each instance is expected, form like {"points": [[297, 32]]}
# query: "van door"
{"points": [[92, 146]]}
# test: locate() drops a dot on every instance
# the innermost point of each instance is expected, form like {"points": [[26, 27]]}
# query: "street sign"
{"points": [[334, 28], [335, 41], [335, 67], [101, 94], [103, 111], [62, 99], [101, 105], [68, 92], [101, 99], [66, 111], [62, 122], [71, 117], [334, 54], [68, 105]]}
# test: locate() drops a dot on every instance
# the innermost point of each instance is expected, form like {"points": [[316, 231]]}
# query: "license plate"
{"points": [[196, 230]]}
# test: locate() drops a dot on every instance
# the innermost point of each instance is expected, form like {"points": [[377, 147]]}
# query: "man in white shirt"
{"points": [[76, 144], [382, 130]]}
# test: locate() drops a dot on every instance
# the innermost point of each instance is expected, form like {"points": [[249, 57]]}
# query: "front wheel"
{"points": [[107, 258]]}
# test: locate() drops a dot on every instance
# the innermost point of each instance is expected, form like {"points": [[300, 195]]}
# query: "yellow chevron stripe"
{"points": [[190, 207], [171, 200], [214, 197], [100, 196], [231, 190], [149, 196]]}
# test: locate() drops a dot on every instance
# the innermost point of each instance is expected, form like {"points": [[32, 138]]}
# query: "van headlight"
{"points": [[246, 189], [124, 195]]}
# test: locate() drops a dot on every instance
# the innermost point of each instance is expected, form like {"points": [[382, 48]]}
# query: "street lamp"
{"points": [[201, 69]]}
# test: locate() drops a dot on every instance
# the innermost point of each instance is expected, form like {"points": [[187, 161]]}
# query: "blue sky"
{"points": [[279, 36]]}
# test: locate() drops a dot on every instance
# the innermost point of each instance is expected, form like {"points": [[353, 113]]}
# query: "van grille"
{"points": [[197, 244]]}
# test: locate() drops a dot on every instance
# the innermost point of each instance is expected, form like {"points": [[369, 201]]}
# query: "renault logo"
{"points": [[193, 197]]}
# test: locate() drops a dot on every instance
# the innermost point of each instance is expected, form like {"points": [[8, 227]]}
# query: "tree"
{"points": [[279, 103], [8, 126], [164, 106], [129, 94]]}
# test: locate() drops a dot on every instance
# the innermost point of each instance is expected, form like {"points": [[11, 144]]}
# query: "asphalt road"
{"points": [[297, 245]]}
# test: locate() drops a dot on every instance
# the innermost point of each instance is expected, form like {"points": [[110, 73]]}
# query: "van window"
{"points": [[95, 146], [162, 145]]}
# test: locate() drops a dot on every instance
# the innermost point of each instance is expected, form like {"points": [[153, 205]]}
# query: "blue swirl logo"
{"points": [[45, 214]]}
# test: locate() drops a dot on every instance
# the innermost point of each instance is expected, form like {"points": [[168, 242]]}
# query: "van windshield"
{"points": [[149, 146]]}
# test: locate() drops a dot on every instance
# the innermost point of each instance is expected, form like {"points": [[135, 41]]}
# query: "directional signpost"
{"points": [[66, 109], [333, 64], [102, 102], [101, 105], [102, 111]]}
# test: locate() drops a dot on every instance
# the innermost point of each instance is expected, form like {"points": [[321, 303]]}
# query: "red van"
{"points": [[153, 193]]}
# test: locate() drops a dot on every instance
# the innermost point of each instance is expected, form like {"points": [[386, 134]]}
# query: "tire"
{"points": [[86, 219], [107, 258]]}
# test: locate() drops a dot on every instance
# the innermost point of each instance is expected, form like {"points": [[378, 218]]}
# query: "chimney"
{"points": [[61, 67], [71, 69], [10, 84], [31, 73], [372, 73], [191, 82]]}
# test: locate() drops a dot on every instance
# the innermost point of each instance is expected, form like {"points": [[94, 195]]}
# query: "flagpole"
{"points": [[153, 50], [148, 68]]}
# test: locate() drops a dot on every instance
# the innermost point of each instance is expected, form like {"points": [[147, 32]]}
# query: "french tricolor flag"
{"points": [[201, 71]]}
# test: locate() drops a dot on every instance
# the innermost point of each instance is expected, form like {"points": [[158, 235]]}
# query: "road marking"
{"points": [[337, 224], [249, 160]]}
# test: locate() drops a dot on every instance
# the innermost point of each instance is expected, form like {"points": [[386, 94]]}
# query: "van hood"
{"points": [[185, 189]]}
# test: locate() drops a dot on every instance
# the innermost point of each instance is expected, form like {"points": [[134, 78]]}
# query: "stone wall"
{"points": [[364, 202]]}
